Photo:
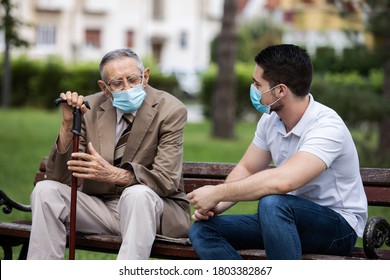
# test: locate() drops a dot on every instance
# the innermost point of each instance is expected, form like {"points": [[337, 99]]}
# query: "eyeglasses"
{"points": [[120, 84]]}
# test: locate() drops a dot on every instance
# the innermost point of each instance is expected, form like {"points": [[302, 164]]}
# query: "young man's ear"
{"points": [[104, 89], [283, 89]]}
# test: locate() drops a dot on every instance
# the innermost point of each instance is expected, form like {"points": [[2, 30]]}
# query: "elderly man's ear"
{"points": [[146, 76], [104, 89]]}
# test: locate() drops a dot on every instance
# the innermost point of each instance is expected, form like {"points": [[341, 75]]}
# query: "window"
{"points": [[130, 39], [92, 38], [2, 37], [158, 9], [183, 40], [157, 47], [288, 16], [46, 35]]}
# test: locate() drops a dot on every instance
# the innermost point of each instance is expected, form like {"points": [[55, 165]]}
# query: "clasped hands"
{"points": [[205, 201]]}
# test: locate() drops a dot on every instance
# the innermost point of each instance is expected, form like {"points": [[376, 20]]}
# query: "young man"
{"points": [[313, 201], [128, 168]]}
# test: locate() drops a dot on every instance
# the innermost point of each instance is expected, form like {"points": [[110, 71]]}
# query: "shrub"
{"points": [[356, 98], [36, 83], [244, 74]]}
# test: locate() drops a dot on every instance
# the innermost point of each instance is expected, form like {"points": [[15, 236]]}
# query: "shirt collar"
{"points": [[308, 117], [119, 115]]}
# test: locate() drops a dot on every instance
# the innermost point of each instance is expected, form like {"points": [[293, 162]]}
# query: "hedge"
{"points": [[355, 97], [37, 83]]}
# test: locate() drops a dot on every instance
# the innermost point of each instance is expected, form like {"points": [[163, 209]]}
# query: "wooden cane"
{"points": [[76, 130], [73, 203]]}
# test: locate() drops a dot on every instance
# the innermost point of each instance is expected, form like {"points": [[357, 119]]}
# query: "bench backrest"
{"points": [[376, 181]]}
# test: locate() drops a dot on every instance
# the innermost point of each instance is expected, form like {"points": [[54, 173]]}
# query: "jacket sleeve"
{"points": [[57, 167]]}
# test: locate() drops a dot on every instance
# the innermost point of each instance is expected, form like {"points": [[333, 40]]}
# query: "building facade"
{"points": [[315, 23], [175, 33]]}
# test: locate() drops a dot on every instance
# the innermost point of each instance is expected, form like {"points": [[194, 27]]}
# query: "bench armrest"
{"points": [[8, 204], [376, 234]]}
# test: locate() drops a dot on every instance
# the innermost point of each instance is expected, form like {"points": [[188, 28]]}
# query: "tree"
{"points": [[378, 12], [379, 22], [11, 38], [223, 109], [255, 35]]}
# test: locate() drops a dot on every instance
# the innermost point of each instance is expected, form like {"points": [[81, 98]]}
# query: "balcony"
{"points": [[97, 6], [54, 6]]}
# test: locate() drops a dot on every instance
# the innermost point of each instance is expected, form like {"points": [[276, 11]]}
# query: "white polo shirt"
{"points": [[322, 133]]}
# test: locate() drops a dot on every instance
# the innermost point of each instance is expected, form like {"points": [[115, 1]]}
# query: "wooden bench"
{"points": [[196, 174]]}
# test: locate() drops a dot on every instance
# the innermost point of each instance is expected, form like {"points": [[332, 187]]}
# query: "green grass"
{"points": [[200, 146], [26, 135]]}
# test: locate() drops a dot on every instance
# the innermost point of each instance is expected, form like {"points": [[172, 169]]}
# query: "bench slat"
{"points": [[378, 196], [217, 170], [111, 243], [375, 176]]}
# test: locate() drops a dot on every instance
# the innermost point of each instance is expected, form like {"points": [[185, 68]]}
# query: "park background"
{"points": [[350, 80]]}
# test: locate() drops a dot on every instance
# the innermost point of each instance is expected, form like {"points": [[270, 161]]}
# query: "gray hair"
{"points": [[119, 54]]}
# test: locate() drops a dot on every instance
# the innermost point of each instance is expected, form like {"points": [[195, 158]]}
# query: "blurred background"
{"points": [[201, 51]]}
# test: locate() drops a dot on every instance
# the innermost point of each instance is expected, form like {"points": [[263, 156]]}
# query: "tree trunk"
{"points": [[384, 126], [6, 90], [224, 103]]}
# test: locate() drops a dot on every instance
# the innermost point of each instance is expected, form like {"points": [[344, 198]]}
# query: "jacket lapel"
{"points": [[106, 120]]}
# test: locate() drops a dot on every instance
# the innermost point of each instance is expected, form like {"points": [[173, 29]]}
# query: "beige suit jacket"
{"points": [[154, 152]]}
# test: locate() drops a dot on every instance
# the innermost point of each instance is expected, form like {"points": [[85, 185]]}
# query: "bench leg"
{"points": [[7, 252], [23, 251]]}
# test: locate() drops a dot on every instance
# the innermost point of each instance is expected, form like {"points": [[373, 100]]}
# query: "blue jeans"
{"points": [[285, 226]]}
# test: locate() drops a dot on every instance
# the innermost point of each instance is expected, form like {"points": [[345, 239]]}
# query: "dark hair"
{"points": [[287, 64], [119, 54]]}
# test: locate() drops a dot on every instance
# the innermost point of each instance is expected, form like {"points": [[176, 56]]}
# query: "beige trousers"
{"points": [[135, 216]]}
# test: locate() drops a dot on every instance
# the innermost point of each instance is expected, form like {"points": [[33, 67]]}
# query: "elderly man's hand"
{"points": [[92, 166]]}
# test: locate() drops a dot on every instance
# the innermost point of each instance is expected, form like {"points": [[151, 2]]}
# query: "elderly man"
{"points": [[128, 167]]}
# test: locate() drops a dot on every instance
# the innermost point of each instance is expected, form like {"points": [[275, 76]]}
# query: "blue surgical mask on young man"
{"points": [[129, 100], [256, 96]]}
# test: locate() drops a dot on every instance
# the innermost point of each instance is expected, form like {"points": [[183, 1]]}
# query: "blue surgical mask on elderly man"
{"points": [[256, 96], [129, 100]]}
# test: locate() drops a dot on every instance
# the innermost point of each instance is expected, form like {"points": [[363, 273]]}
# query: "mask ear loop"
{"points": [[276, 99], [142, 79], [112, 100]]}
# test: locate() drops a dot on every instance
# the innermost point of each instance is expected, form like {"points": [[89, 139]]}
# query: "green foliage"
{"points": [[164, 82], [10, 24], [378, 24], [81, 77], [244, 74], [354, 97], [36, 83], [256, 35], [23, 70], [358, 58], [252, 36], [45, 86], [160, 80]]}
